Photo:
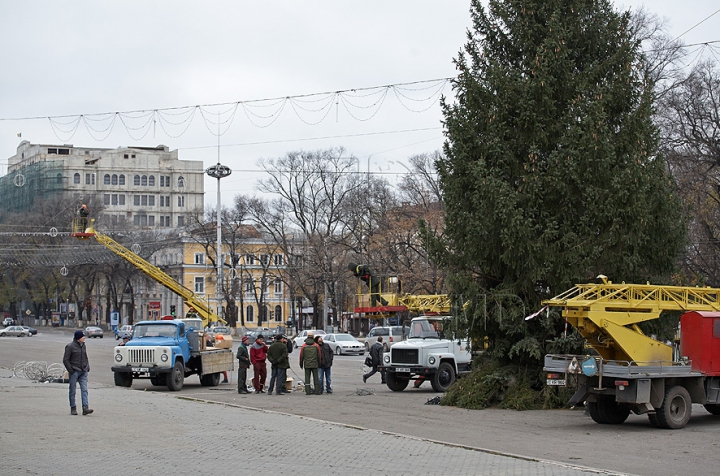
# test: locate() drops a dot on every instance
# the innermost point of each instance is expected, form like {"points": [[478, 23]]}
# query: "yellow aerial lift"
{"points": [[83, 228]]}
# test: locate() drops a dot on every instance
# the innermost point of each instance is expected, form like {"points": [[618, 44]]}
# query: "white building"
{"points": [[142, 186]]}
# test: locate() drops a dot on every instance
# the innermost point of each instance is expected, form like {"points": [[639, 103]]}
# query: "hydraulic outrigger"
{"points": [[83, 228]]}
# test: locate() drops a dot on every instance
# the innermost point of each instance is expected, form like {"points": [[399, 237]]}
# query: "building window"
{"points": [[278, 287], [143, 200], [151, 220], [114, 179], [167, 180], [199, 258], [181, 221], [114, 199], [278, 314], [89, 179], [264, 260], [121, 199], [181, 182], [263, 314], [136, 180], [58, 179], [249, 286], [162, 180], [162, 200], [76, 178], [250, 314], [151, 200], [121, 180], [162, 221], [278, 260], [52, 151], [106, 179], [249, 259], [199, 284], [181, 200], [167, 200], [143, 181], [125, 156], [136, 200], [106, 199], [151, 180]]}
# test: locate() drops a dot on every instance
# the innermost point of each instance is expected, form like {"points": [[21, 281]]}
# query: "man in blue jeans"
{"points": [[77, 364], [326, 360]]}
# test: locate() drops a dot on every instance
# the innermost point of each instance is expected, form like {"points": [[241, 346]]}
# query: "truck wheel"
{"points": [[653, 420], [674, 413], [443, 378], [122, 379], [595, 412], [175, 378], [395, 383], [611, 411], [156, 380], [210, 380], [712, 408]]}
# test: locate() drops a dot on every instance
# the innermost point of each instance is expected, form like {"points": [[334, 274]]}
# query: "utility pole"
{"points": [[219, 171]]}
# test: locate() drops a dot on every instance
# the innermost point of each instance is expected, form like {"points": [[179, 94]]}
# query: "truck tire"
{"points": [[210, 380], [122, 379], [606, 411], [443, 378], [395, 383], [712, 408], [176, 377], [674, 413], [653, 420]]}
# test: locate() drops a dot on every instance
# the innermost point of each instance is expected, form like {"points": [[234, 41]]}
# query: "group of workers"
{"points": [[316, 358]]}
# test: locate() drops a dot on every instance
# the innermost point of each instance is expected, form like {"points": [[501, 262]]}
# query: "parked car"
{"points": [[299, 339], [219, 330], [344, 344], [124, 331], [16, 331], [8, 321], [92, 331], [31, 330], [391, 335]]}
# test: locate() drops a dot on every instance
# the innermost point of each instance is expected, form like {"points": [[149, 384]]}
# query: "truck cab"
{"points": [[429, 353]]}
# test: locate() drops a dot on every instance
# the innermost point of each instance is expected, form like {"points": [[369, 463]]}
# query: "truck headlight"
{"points": [[118, 357], [431, 360], [164, 357], [386, 359]]}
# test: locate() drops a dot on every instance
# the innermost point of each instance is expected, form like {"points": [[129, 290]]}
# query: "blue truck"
{"points": [[166, 352]]}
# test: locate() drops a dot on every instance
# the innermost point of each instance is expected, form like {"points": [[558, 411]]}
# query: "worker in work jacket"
{"points": [[310, 355], [258, 354]]}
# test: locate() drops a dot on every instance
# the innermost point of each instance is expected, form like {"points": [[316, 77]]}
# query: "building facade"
{"points": [[141, 186]]}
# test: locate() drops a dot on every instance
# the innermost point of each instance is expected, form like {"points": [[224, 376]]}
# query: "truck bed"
{"points": [[559, 363], [217, 360]]}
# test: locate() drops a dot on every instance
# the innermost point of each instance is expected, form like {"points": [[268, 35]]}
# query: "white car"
{"points": [[124, 331], [299, 340], [344, 344], [14, 331]]}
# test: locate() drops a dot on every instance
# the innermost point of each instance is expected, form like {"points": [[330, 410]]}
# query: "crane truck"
{"points": [[630, 371], [167, 351]]}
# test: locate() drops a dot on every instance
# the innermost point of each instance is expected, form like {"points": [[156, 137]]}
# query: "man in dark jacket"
{"points": [[77, 365], [278, 357], [326, 360], [258, 355], [244, 363], [376, 354], [310, 354]]}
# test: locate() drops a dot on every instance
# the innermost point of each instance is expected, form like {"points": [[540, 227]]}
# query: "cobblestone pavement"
{"points": [[135, 432]]}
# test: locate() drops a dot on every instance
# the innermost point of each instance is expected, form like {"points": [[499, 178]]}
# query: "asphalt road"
{"points": [[559, 435]]}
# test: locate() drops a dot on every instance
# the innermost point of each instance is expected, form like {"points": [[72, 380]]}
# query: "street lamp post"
{"points": [[218, 171]]}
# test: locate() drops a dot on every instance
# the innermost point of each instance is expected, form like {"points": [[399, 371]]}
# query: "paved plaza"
{"points": [[137, 432]]}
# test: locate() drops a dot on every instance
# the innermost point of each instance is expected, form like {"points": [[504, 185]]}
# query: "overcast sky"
{"points": [[72, 57]]}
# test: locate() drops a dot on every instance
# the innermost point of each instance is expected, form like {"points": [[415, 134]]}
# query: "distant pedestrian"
{"points": [[310, 354], [326, 360], [278, 357], [376, 354], [78, 366], [258, 355], [243, 364]]}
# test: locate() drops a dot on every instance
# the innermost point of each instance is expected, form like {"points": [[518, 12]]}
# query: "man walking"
{"points": [[278, 357], [258, 355], [244, 363], [77, 365], [376, 353], [310, 354], [326, 360]]}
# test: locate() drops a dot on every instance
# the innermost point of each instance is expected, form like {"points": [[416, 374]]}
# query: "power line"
{"points": [[697, 24]]}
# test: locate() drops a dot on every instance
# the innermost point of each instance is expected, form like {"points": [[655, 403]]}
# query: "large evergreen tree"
{"points": [[551, 174]]}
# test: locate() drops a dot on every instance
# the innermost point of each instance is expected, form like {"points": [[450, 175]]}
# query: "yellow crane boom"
{"points": [[607, 315], [84, 230]]}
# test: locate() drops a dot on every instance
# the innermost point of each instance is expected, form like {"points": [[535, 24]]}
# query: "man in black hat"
{"points": [[278, 357], [77, 364]]}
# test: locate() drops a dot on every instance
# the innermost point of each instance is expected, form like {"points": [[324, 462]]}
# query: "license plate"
{"points": [[402, 369], [556, 382], [140, 369]]}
